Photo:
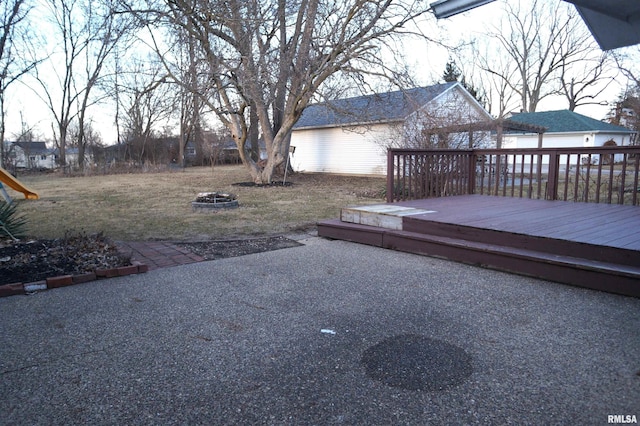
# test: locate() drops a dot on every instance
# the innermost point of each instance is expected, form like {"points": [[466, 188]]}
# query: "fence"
{"points": [[599, 174]]}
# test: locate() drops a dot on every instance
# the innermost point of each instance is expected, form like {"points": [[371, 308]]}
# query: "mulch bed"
{"points": [[273, 184], [37, 260]]}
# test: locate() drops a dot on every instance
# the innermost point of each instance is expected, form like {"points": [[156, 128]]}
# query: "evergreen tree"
{"points": [[452, 73]]}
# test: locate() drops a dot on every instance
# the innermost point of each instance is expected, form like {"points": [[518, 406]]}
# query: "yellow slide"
{"points": [[13, 183]]}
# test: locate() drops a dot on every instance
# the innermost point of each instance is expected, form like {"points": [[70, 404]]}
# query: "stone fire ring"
{"points": [[212, 201]]}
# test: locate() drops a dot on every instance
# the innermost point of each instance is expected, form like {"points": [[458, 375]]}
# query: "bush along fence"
{"points": [[596, 175]]}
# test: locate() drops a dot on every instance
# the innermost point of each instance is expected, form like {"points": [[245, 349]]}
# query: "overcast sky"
{"points": [[427, 59]]}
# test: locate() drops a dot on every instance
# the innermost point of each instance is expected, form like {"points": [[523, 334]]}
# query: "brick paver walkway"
{"points": [[158, 254]]}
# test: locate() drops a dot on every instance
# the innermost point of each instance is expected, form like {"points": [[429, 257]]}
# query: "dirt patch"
{"points": [[211, 250]]}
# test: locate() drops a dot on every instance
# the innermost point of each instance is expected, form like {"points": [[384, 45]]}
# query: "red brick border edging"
{"points": [[67, 280]]}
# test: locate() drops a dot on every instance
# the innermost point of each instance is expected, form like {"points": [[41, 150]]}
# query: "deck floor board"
{"points": [[598, 224]]}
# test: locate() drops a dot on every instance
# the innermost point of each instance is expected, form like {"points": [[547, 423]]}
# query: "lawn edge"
{"points": [[59, 281]]}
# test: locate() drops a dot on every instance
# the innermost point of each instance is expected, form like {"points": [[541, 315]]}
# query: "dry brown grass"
{"points": [[158, 205]]}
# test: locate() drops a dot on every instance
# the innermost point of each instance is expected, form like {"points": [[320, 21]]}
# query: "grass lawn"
{"points": [[149, 206]]}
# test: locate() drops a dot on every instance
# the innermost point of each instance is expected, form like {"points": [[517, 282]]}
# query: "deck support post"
{"points": [[390, 174]]}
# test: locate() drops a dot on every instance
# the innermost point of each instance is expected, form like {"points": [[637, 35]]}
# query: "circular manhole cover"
{"points": [[415, 362]]}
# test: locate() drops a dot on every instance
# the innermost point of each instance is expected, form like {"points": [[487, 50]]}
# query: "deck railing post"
{"points": [[390, 174], [552, 179], [539, 175], [473, 160]]}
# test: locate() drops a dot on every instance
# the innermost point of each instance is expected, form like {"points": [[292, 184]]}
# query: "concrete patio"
{"points": [[331, 332]]}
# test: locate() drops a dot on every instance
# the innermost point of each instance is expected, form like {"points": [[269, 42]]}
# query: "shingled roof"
{"points": [[33, 148], [378, 108], [565, 121]]}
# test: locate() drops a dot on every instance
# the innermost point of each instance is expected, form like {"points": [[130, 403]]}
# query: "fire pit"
{"points": [[214, 200]]}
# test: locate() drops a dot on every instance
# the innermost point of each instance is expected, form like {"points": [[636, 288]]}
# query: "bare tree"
{"points": [[625, 111], [267, 59], [27, 132], [144, 99], [15, 40], [190, 94], [214, 146], [447, 124], [87, 137], [86, 34], [541, 50], [584, 79], [627, 64], [495, 74], [108, 30], [72, 42]]}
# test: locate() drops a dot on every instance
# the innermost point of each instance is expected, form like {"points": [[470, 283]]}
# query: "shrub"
{"points": [[11, 225]]}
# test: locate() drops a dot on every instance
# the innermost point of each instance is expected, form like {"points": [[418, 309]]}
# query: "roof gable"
{"points": [[565, 121], [377, 108], [33, 147]]}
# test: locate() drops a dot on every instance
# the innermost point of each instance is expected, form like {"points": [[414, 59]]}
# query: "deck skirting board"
{"points": [[577, 271], [363, 234], [563, 269], [557, 246]]}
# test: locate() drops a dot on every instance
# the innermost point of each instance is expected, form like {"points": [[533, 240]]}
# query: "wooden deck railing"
{"points": [[599, 175]]}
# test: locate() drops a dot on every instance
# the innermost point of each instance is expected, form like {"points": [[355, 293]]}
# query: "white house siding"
{"points": [[359, 151], [31, 160], [567, 140], [39, 161]]}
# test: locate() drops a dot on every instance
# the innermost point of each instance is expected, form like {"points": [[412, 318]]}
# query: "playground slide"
{"points": [[13, 183]]}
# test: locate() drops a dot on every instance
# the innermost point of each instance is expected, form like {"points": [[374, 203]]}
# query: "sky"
{"points": [[427, 59], [479, 21]]}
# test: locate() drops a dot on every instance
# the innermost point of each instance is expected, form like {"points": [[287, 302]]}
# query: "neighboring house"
{"points": [[30, 155], [110, 154], [351, 136], [71, 156], [225, 151], [36, 155], [566, 129]]}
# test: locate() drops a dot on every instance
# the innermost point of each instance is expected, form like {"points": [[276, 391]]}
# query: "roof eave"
{"points": [[573, 132], [354, 124]]}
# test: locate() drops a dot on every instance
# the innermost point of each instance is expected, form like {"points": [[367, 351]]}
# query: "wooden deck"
{"points": [[595, 246]]}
